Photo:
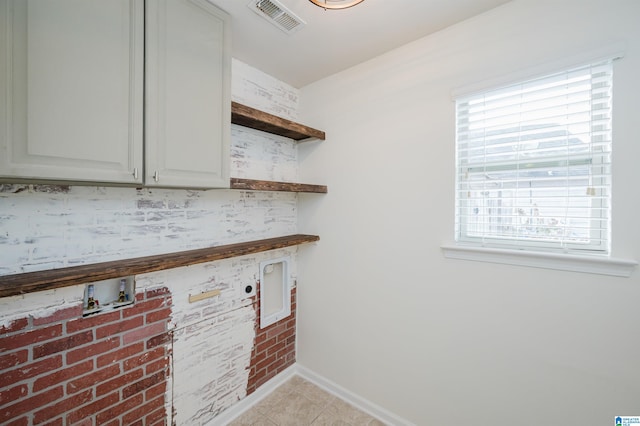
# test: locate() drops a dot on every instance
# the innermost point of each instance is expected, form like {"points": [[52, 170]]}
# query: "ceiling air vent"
{"points": [[275, 12]]}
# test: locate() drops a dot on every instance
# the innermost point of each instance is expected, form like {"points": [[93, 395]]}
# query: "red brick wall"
{"points": [[274, 348], [105, 369]]}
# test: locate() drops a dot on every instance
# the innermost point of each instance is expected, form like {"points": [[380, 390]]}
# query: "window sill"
{"points": [[558, 261]]}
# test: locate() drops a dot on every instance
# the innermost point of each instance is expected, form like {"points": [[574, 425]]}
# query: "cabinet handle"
{"points": [[135, 173], [156, 176]]}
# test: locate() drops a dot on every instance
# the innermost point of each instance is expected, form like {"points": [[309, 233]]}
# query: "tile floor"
{"points": [[298, 402]]}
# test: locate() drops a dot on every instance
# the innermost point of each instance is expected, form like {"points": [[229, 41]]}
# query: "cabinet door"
{"points": [[71, 90], [187, 97]]}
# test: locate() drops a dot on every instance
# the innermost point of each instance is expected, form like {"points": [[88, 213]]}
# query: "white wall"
{"points": [[440, 341]]}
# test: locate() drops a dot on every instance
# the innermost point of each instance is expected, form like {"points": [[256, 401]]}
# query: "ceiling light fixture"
{"points": [[335, 4]]}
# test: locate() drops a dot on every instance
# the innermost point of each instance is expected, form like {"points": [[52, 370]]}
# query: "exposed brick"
{"points": [[27, 371], [90, 409], [93, 350], [116, 410], [286, 334], [139, 413], [55, 422], [92, 321], [93, 378], [291, 322], [159, 315], [143, 333], [258, 358], [143, 384], [62, 375], [155, 391], [157, 416], [275, 348], [276, 365], [265, 363], [114, 422], [62, 406], [157, 365], [12, 394], [157, 292], [143, 358], [63, 344], [15, 325], [87, 421], [158, 340], [18, 341], [276, 329], [27, 404], [13, 359], [143, 307], [107, 386], [266, 345], [119, 355], [119, 327], [22, 421], [59, 315]]}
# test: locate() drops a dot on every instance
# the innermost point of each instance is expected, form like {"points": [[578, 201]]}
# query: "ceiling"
{"points": [[334, 40]]}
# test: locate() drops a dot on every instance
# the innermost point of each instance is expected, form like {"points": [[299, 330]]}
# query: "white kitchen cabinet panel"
{"points": [[71, 85], [187, 96]]}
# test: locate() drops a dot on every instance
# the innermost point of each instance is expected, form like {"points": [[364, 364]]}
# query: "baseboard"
{"points": [[263, 391], [357, 401]]}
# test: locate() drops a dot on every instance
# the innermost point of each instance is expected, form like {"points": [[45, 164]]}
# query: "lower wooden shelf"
{"points": [[12, 285], [268, 185]]}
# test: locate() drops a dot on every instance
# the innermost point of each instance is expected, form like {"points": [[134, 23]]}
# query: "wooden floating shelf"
{"points": [[268, 185], [250, 117], [13, 285]]}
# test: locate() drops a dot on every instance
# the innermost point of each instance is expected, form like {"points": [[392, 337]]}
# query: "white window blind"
{"points": [[534, 163]]}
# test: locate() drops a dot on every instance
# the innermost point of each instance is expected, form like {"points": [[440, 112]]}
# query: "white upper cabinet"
{"points": [[71, 90], [72, 78], [187, 98]]}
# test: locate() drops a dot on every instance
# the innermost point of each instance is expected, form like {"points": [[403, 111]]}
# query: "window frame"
{"points": [[467, 206]]}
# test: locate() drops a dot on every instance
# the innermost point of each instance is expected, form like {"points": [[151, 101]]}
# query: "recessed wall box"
{"points": [[275, 291]]}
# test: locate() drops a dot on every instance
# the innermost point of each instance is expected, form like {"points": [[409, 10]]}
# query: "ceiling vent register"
{"points": [[276, 13]]}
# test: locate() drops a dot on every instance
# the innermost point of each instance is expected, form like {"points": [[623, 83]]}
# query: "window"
{"points": [[534, 163]]}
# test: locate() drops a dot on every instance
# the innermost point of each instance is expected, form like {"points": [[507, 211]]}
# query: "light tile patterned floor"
{"points": [[298, 402]]}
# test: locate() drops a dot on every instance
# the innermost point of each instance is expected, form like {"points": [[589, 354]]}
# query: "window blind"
{"points": [[534, 163]]}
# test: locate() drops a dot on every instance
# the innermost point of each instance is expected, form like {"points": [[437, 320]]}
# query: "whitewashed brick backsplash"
{"points": [[252, 87], [44, 227], [259, 155]]}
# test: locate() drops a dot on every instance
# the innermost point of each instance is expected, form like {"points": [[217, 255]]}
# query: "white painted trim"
{"points": [[360, 403], [247, 403], [559, 261], [263, 391]]}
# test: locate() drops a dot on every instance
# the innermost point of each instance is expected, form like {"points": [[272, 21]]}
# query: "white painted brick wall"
{"points": [[252, 87], [43, 230]]}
